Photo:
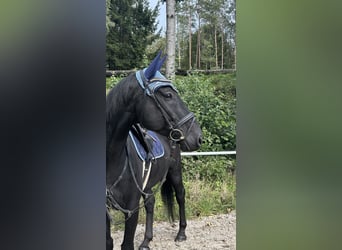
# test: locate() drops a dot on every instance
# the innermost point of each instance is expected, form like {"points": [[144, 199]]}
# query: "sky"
{"points": [[162, 14]]}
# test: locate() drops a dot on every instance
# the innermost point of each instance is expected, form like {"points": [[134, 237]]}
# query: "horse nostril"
{"points": [[199, 140]]}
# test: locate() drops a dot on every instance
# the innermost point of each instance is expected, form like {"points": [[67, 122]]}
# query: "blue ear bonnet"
{"points": [[152, 85]]}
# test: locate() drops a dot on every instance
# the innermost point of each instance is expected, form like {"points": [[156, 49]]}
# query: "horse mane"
{"points": [[117, 97], [122, 93]]}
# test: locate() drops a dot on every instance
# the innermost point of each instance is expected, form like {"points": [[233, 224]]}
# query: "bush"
{"points": [[111, 81], [213, 99]]}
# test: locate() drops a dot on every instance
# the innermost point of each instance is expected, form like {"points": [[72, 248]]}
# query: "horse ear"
{"points": [[161, 62], [152, 68]]}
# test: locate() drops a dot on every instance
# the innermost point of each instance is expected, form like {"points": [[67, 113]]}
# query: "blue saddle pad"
{"points": [[157, 149]]}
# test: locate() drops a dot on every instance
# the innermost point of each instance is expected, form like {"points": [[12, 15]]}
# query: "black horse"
{"points": [[145, 97]]}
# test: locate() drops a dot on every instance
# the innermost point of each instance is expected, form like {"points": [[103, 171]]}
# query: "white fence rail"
{"points": [[208, 153]]}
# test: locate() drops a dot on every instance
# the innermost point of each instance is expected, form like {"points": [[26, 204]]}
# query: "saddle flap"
{"points": [[155, 146]]}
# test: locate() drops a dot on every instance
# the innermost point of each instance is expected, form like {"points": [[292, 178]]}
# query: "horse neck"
{"points": [[120, 117]]}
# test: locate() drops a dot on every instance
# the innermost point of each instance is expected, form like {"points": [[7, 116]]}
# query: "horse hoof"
{"points": [[180, 238]]}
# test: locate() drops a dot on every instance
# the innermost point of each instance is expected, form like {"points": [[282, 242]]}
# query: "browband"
{"points": [[150, 86]]}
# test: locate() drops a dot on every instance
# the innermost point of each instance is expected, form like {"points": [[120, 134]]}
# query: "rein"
{"points": [[111, 202]]}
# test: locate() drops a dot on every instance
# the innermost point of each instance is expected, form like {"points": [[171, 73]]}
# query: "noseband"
{"points": [[150, 86]]}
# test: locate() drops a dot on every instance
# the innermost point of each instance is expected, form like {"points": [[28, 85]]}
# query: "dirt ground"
{"points": [[213, 232]]}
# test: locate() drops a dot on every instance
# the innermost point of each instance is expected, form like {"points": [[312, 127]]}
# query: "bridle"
{"points": [[176, 134]]}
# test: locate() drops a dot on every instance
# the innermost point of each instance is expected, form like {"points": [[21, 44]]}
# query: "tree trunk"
{"points": [[234, 57], [190, 47], [222, 56], [170, 38], [178, 43], [198, 54], [216, 56]]}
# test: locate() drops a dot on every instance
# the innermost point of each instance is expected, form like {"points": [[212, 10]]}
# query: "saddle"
{"points": [[146, 143], [148, 147]]}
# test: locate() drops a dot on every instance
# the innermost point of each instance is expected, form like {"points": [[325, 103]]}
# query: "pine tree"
{"points": [[132, 30]]}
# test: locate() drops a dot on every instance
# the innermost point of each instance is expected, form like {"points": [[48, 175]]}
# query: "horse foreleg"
{"points": [[149, 208], [130, 227], [180, 196], [109, 239]]}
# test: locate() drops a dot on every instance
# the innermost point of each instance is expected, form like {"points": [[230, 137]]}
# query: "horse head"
{"points": [[161, 109]]}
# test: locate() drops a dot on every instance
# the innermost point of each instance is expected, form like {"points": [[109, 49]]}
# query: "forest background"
{"points": [[205, 34]]}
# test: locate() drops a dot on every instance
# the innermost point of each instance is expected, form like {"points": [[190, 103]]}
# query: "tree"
{"points": [[190, 26], [212, 17], [185, 25], [232, 27], [198, 47], [109, 23], [159, 44], [170, 38], [133, 29], [205, 34]]}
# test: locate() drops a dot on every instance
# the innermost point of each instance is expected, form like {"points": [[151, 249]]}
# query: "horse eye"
{"points": [[167, 94]]}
